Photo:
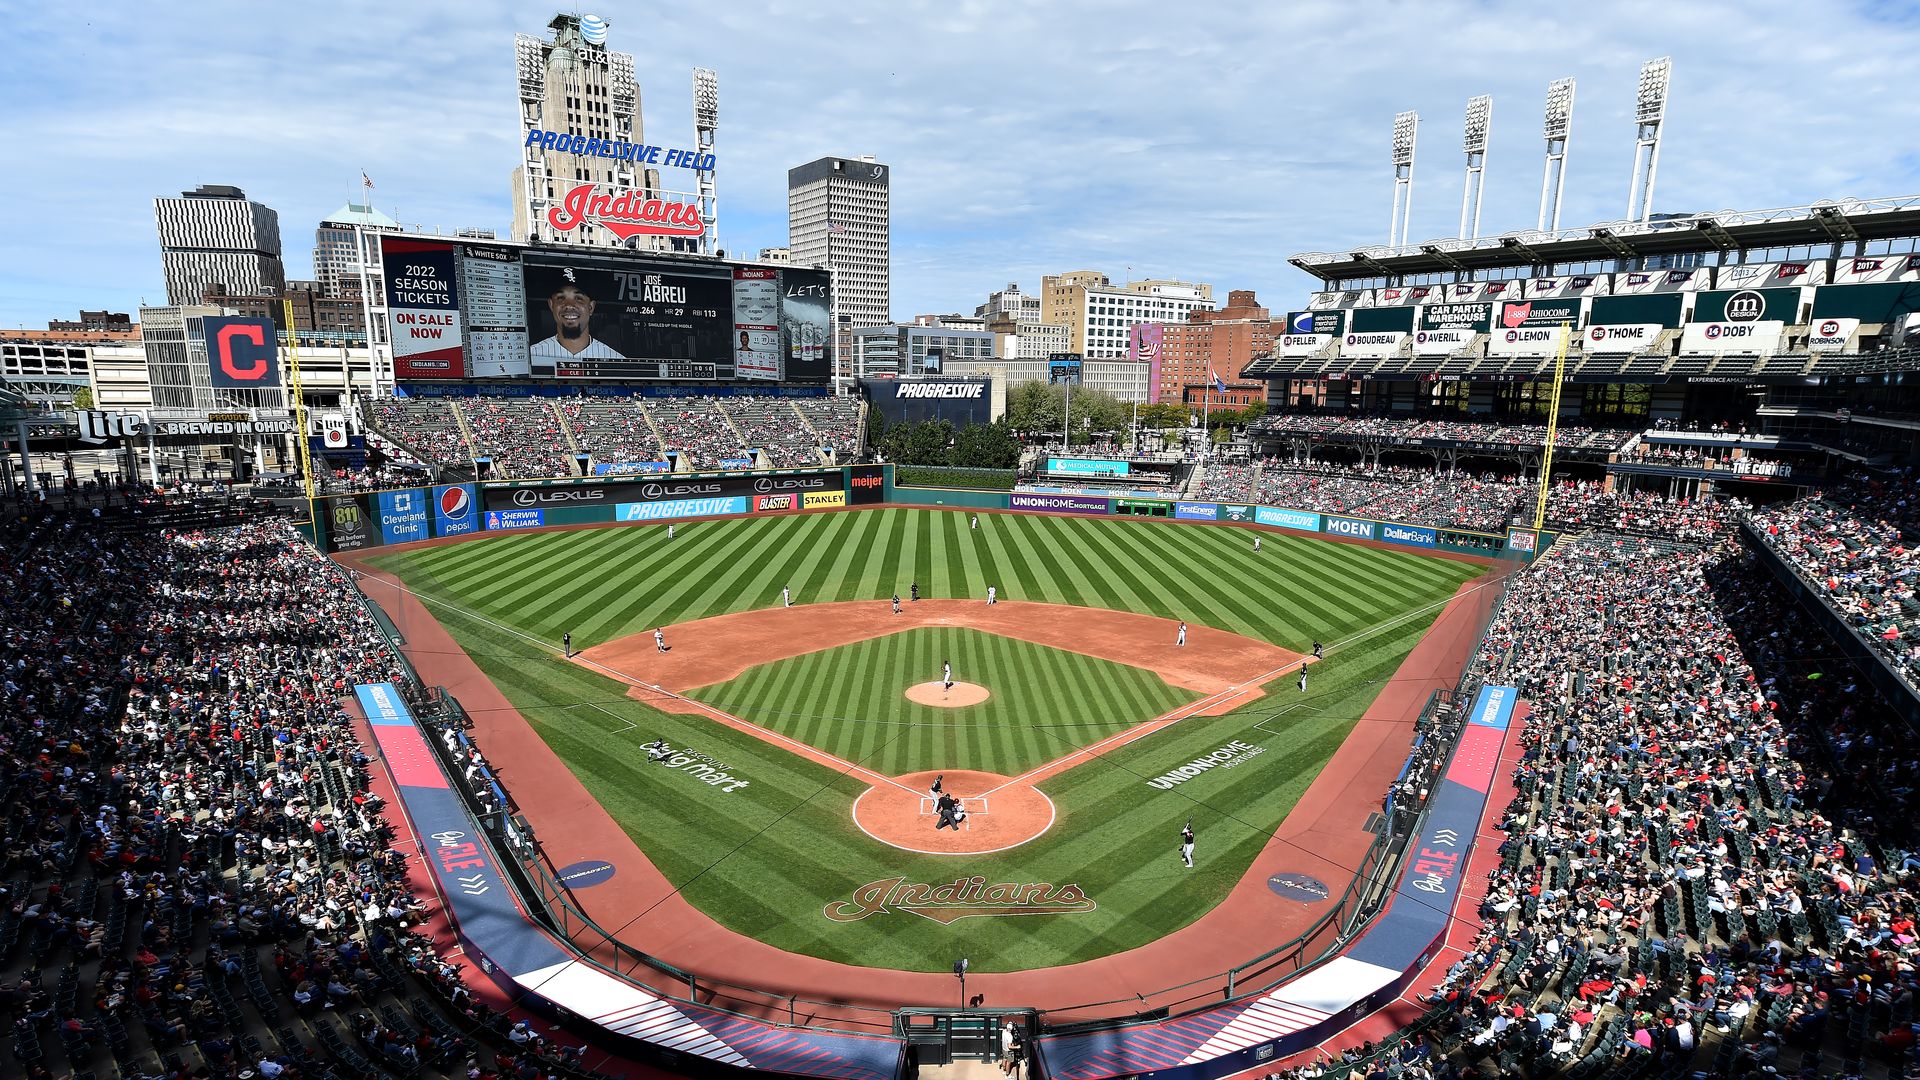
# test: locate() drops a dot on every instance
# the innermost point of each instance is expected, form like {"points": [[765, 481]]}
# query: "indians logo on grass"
{"points": [[959, 899]]}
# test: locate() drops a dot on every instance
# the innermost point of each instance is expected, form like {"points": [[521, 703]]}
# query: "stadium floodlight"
{"points": [[706, 120], [1652, 99], [1559, 108], [706, 99], [1479, 124], [1559, 132], [1650, 110], [1406, 130]]}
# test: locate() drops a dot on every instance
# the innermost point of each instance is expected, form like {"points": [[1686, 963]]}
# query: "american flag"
{"points": [[366, 181], [836, 227]]}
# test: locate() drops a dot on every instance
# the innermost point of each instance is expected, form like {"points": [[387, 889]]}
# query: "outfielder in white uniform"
{"points": [[992, 595], [786, 596], [1181, 637]]}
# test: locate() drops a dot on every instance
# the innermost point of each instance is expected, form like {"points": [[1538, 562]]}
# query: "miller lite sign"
{"points": [[242, 353]]}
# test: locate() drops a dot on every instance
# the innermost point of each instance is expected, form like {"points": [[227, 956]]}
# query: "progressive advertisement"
{"points": [[423, 308], [679, 508], [1287, 519], [599, 318]]}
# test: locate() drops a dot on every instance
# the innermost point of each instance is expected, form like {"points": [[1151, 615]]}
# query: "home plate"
{"points": [[935, 694]]}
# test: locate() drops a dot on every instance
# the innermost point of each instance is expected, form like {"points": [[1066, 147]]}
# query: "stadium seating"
{"points": [[771, 424], [523, 436], [428, 429], [1452, 428], [837, 423], [697, 428], [612, 430]]}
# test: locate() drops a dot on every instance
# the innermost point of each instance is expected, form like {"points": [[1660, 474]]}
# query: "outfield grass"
{"points": [[848, 701], [765, 859]]}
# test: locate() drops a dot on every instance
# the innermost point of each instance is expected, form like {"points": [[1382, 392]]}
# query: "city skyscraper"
{"points": [[839, 216], [573, 85], [215, 235]]}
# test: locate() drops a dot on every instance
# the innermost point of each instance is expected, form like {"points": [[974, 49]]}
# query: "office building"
{"points": [[882, 351], [839, 216], [1213, 343], [345, 247], [215, 235], [1099, 314]]}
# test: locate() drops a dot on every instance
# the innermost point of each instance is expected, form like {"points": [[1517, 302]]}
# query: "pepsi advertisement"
{"points": [[454, 512]]}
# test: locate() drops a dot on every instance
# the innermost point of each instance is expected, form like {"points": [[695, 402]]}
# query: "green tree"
{"points": [[83, 397], [986, 446]]}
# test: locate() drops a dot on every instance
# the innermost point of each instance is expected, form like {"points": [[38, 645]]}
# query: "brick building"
{"points": [[1216, 341]]}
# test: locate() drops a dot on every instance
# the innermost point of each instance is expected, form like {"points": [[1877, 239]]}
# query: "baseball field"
{"points": [[773, 767]]}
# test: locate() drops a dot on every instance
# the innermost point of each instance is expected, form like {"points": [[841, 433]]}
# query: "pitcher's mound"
{"points": [[932, 693]]}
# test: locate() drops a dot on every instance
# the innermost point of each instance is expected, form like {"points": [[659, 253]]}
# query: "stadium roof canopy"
{"points": [[1848, 221]]}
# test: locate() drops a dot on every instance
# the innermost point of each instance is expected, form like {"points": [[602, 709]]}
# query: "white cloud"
{"points": [[1197, 141]]}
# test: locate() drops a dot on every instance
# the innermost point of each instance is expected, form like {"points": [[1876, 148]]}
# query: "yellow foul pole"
{"points": [[300, 412], [1553, 425]]}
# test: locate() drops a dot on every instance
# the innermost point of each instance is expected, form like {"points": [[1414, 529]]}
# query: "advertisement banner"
{"points": [[1621, 338], [629, 468], [775, 503], [1088, 467], [1371, 345], [1522, 540], [455, 510], [1527, 341], [1303, 344], [1748, 338], [607, 317], [515, 519], [806, 300], [1384, 320], [1832, 335], [1661, 281], [1358, 528], [1748, 306], [866, 484], [965, 403], [423, 308], [756, 323], [349, 526], [1664, 309], [1411, 535], [1532, 313], [1324, 323], [1287, 519], [530, 496], [403, 515], [819, 500], [1877, 268], [242, 354], [1187, 511], [1237, 514], [736, 463], [679, 508], [1456, 317], [1442, 342], [623, 212], [1058, 504]]}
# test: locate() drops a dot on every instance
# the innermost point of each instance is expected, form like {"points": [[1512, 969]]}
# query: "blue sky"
{"points": [[1205, 142]]}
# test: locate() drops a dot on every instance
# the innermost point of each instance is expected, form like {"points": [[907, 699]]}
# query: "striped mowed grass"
{"points": [[849, 701], [765, 859]]}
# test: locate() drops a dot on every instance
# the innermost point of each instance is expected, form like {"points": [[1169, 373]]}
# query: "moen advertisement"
{"points": [[456, 510], [1358, 528], [1287, 519]]}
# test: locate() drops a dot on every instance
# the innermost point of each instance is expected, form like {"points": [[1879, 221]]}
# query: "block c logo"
{"points": [[242, 353]]}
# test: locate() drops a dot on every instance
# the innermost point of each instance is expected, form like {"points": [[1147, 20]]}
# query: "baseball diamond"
{"points": [[1089, 700]]}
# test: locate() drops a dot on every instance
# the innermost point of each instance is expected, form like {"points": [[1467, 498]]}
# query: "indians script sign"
{"points": [[958, 899]]}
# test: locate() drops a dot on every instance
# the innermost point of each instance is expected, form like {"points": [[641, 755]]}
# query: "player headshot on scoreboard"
{"points": [[572, 311]]}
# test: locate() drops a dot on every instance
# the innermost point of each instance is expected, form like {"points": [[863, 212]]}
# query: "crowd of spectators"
{"points": [[1688, 457], [1588, 504], [1709, 841], [613, 431], [181, 796], [837, 422], [1854, 542], [1452, 428], [427, 428], [522, 436], [771, 424], [697, 428]]}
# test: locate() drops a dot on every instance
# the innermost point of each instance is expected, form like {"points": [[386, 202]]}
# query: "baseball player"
{"points": [[566, 643], [786, 596], [976, 522], [1181, 637], [669, 530], [936, 789], [1186, 845], [896, 603], [1303, 678], [1256, 543], [993, 596], [946, 676], [959, 815], [913, 591], [659, 640], [1317, 655]]}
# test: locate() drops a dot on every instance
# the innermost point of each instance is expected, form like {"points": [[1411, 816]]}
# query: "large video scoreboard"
{"points": [[459, 310]]}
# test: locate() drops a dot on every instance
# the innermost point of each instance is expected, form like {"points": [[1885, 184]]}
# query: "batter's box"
{"points": [[971, 806]]}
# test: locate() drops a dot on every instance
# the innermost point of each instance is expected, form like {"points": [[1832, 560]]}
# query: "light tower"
{"points": [[1479, 123], [1406, 127], [1553, 180], [706, 119], [1650, 108]]}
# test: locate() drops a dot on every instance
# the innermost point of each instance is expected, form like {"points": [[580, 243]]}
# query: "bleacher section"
{"points": [[697, 428], [427, 429], [613, 430], [836, 423], [771, 424], [521, 435]]}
